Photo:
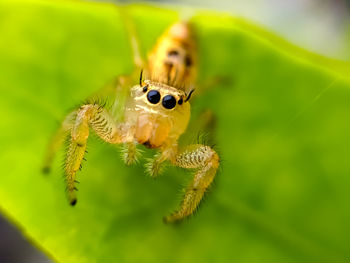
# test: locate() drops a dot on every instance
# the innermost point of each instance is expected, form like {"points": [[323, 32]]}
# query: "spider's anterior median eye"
{"points": [[169, 102], [153, 96]]}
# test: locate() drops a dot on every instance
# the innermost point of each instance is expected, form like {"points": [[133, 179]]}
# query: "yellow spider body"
{"points": [[156, 114]]}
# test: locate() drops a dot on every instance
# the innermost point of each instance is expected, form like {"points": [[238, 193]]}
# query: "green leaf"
{"points": [[282, 132]]}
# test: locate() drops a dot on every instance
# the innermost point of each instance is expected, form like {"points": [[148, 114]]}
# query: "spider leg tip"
{"points": [[73, 202], [171, 219], [166, 220]]}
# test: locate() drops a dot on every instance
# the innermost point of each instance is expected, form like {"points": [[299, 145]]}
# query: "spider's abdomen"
{"points": [[173, 60]]}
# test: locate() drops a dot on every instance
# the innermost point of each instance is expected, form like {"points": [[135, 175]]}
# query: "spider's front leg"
{"points": [[98, 118], [206, 161]]}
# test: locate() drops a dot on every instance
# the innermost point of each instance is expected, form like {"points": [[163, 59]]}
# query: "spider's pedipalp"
{"points": [[155, 166], [129, 153]]}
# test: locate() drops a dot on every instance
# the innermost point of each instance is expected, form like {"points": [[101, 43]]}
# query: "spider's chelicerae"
{"points": [[155, 114]]}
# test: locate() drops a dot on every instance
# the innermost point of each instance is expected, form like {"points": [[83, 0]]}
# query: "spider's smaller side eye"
{"points": [[145, 88], [153, 96], [169, 102], [188, 61], [180, 101]]}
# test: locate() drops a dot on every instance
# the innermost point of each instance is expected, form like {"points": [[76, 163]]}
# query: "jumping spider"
{"points": [[155, 114]]}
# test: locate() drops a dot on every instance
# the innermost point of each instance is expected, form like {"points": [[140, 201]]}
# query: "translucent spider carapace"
{"points": [[155, 114]]}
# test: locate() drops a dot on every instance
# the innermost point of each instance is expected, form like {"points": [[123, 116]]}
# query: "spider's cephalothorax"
{"points": [[156, 114]]}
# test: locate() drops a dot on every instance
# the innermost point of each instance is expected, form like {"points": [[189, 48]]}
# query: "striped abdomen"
{"points": [[173, 61]]}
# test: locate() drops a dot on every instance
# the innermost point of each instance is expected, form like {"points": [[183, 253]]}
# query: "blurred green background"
{"points": [[282, 133]]}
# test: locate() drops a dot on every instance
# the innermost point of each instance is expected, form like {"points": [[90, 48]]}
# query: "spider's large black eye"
{"points": [[169, 102], [153, 96]]}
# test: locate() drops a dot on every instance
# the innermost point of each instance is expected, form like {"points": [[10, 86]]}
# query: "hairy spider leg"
{"points": [[154, 166], [116, 89], [98, 118], [206, 161], [133, 37], [129, 152]]}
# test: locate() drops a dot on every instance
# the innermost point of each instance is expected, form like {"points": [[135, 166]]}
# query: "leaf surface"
{"points": [[282, 194]]}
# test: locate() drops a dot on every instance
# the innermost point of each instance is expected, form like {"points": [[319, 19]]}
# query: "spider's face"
{"points": [[162, 113]]}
